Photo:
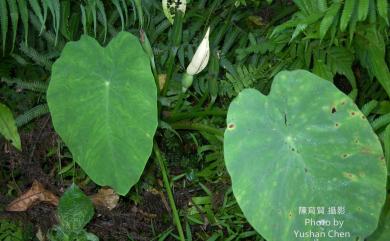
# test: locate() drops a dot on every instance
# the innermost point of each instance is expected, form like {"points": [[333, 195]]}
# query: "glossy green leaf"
{"points": [[103, 103], [75, 210], [8, 127], [304, 145]]}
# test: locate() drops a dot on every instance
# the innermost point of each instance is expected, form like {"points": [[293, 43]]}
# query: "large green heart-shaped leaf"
{"points": [[304, 153], [103, 102]]}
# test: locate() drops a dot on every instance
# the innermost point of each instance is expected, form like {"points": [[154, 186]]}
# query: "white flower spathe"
{"points": [[201, 56]]}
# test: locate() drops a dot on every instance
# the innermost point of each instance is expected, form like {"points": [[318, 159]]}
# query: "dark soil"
{"points": [[142, 221]]}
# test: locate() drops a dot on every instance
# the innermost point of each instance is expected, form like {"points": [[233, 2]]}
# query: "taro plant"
{"points": [[103, 103], [304, 145], [299, 153]]}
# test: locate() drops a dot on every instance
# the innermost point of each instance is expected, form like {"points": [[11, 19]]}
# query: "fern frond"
{"points": [[24, 16], [13, 11], [363, 9], [49, 36], [84, 19], [380, 122], [340, 61], [322, 5], [329, 18], [323, 70], [370, 49], [119, 9], [44, 10], [54, 7], [124, 6], [38, 12], [3, 22], [372, 12], [347, 14], [230, 40], [92, 10], [19, 59], [102, 12], [35, 56], [111, 29], [37, 86], [303, 5], [66, 16], [353, 23], [299, 29], [369, 107], [352, 12], [53, 54], [382, 6], [31, 114], [243, 77]]}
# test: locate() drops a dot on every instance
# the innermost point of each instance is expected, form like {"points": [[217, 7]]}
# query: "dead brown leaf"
{"points": [[36, 194], [106, 197]]}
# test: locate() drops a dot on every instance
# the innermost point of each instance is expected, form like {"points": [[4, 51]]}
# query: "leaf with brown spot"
{"points": [[36, 194], [269, 134]]}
